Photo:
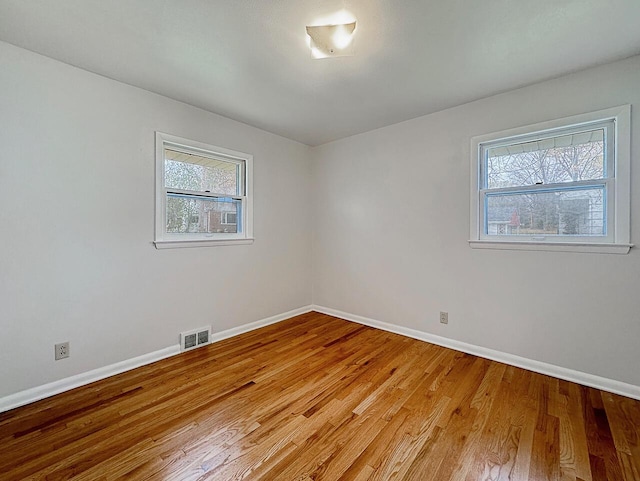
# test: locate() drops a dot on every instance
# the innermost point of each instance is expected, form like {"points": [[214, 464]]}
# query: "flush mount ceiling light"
{"points": [[331, 40]]}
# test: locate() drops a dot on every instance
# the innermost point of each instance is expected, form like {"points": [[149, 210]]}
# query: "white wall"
{"points": [[76, 224], [391, 224]]}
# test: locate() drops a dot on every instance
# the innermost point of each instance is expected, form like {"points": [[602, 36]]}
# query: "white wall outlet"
{"points": [[444, 317], [62, 350]]}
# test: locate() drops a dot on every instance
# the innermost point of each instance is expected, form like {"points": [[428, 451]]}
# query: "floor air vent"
{"points": [[196, 338], [203, 337]]}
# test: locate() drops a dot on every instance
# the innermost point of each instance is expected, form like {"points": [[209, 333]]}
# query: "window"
{"points": [[203, 194], [560, 185]]}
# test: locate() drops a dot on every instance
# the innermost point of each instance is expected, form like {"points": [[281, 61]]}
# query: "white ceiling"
{"points": [[248, 59]]}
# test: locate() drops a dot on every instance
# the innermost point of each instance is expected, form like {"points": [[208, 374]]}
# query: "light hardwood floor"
{"points": [[319, 398]]}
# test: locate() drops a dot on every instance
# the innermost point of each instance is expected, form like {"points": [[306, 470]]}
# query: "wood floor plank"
{"points": [[318, 398]]}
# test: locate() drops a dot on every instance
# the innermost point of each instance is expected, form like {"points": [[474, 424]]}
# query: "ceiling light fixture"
{"points": [[331, 40]]}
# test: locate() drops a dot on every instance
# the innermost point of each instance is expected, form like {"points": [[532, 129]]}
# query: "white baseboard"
{"points": [[56, 387], [219, 336], [598, 382], [40, 392]]}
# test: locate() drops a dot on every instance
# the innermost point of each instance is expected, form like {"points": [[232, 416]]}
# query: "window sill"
{"points": [[556, 247], [173, 244]]}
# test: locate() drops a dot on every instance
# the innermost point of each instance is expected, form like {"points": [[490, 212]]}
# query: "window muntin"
{"points": [[200, 190], [579, 196]]}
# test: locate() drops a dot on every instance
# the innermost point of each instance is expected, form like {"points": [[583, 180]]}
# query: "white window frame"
{"points": [[618, 184], [163, 239]]}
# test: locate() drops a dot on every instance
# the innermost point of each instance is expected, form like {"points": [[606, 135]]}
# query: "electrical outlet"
{"points": [[62, 350], [444, 317]]}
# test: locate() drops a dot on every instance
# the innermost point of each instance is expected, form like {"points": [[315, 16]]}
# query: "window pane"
{"points": [[191, 214], [579, 212], [194, 172], [565, 158]]}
